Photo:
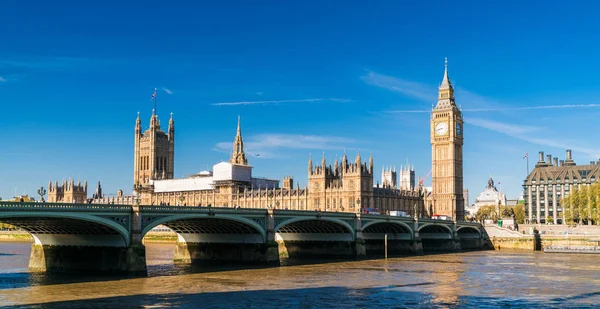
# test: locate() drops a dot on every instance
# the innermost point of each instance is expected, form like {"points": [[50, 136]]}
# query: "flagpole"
{"points": [[527, 165], [155, 111]]}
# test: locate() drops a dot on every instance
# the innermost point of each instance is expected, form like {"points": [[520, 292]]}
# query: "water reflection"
{"points": [[468, 280]]}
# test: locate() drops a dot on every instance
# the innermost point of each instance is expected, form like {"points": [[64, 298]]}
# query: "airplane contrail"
{"points": [[507, 108]]}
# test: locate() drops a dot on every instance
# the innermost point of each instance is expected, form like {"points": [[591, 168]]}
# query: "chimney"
{"points": [[562, 162], [549, 159], [555, 161], [541, 156], [569, 160]]}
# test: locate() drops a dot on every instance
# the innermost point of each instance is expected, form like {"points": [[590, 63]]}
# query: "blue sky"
{"points": [[305, 77]]}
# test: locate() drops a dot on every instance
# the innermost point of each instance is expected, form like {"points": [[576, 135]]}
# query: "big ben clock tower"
{"points": [[446, 153]]}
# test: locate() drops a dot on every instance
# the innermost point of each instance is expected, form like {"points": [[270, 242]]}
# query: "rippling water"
{"points": [[491, 279]]}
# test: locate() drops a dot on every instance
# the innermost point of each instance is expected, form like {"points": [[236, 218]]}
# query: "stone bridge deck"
{"points": [[109, 237]]}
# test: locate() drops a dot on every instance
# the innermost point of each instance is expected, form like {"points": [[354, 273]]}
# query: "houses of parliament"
{"points": [[346, 185]]}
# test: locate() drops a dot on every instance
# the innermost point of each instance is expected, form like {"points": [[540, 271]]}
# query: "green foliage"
{"points": [[519, 211], [485, 213], [582, 203], [488, 212]]}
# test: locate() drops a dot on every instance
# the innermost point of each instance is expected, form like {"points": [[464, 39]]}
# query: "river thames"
{"points": [[490, 279]]}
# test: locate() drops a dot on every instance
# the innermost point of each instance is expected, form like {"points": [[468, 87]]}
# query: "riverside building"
{"points": [[552, 180]]}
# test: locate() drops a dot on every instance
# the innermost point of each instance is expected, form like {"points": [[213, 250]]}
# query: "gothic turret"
{"points": [[371, 163], [238, 156], [171, 132], [336, 168], [310, 165], [154, 121], [138, 126], [154, 151]]}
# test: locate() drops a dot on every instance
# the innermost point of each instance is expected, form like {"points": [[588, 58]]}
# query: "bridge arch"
{"points": [[434, 230], [468, 232], [71, 223], [45, 231], [404, 227], [241, 224], [311, 225]]}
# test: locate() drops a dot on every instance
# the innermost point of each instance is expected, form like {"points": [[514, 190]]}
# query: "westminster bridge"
{"points": [[100, 237]]}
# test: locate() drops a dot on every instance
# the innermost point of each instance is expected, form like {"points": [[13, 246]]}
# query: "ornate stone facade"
{"points": [[344, 187], [68, 192], [447, 153], [154, 152]]}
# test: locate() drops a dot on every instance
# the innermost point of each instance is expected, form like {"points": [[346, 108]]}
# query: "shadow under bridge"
{"points": [[210, 226]]}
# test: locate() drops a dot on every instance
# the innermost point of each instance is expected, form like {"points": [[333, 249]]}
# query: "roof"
{"points": [[590, 172]]}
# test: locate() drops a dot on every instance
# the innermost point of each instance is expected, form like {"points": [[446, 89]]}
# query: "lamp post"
{"points": [[277, 205], [181, 199], [41, 192], [358, 204]]}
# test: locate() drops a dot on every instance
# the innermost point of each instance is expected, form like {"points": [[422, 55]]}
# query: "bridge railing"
{"points": [[380, 217], [35, 206], [201, 209]]}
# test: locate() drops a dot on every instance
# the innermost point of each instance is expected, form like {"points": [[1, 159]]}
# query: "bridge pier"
{"points": [[253, 253], [110, 253], [249, 248], [89, 259]]}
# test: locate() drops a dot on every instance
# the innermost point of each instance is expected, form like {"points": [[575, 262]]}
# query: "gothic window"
{"points": [[351, 185]]}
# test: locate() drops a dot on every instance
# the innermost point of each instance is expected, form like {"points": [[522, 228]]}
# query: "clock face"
{"points": [[458, 129], [441, 128]]}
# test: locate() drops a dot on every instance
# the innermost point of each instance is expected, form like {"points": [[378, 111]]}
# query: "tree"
{"points": [[519, 211], [582, 204], [485, 212]]}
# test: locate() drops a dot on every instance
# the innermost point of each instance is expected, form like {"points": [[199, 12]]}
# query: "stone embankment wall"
{"points": [[559, 229], [18, 236], [504, 239]]}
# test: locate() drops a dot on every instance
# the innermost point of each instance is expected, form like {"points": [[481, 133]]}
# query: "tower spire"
{"points": [[445, 91], [445, 81], [238, 156]]}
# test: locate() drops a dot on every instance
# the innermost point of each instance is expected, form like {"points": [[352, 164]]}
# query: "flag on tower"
{"points": [[153, 95], [526, 155]]}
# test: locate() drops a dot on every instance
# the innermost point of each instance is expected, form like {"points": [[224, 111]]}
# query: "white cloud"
{"points": [[472, 101], [506, 128], [2, 79], [270, 145], [167, 90], [527, 133], [277, 102], [409, 88]]}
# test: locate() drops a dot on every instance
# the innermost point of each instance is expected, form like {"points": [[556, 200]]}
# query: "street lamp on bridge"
{"points": [[41, 192]]}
